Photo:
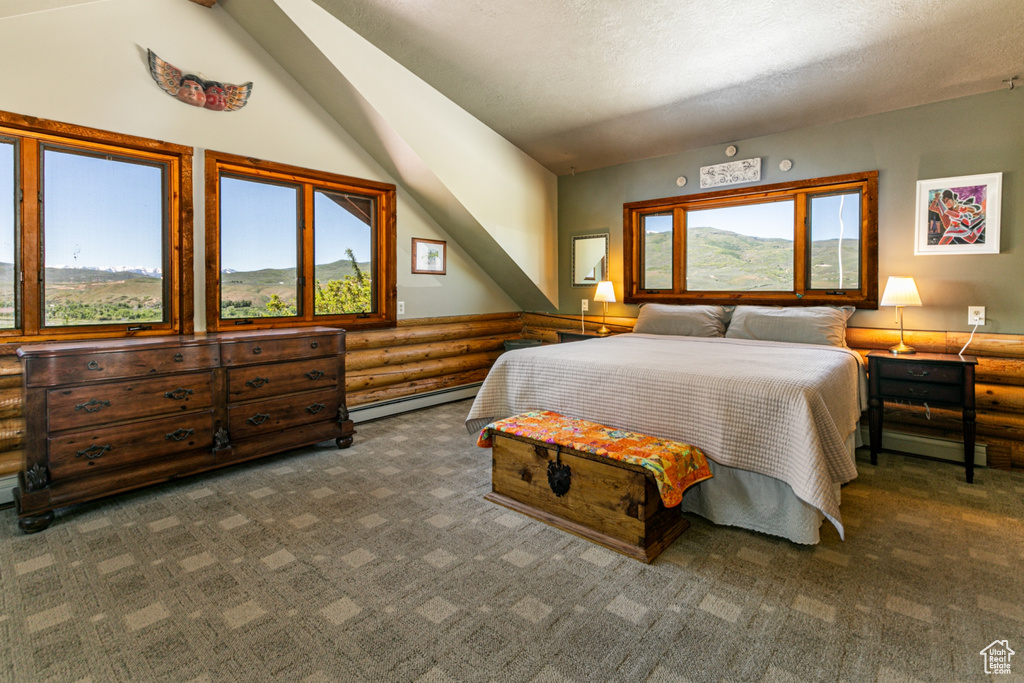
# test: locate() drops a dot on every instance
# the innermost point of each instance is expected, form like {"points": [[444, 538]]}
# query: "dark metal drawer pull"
{"points": [[923, 392], [178, 394], [923, 373], [257, 382], [314, 375], [93, 406], [315, 408], [94, 451], [180, 434], [178, 358], [257, 350], [314, 345], [258, 419], [93, 365]]}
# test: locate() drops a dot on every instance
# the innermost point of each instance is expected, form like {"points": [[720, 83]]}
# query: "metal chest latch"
{"points": [[559, 475]]}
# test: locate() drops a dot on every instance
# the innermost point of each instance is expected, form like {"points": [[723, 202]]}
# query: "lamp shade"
{"points": [[900, 291], [605, 292]]}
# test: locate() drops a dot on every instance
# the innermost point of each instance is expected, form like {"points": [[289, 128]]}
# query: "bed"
{"points": [[777, 420]]}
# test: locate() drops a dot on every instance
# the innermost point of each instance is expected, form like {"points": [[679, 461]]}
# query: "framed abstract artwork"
{"points": [[428, 256], [958, 215]]}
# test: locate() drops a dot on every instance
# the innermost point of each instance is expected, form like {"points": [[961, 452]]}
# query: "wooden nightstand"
{"points": [[566, 336], [939, 379]]}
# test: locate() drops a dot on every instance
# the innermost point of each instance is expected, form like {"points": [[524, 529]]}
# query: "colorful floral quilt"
{"points": [[676, 466]]}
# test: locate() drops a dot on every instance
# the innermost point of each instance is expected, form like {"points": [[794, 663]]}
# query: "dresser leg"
{"points": [[875, 428], [969, 427], [35, 523], [343, 441]]}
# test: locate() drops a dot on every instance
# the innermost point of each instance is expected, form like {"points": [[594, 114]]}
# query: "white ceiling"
{"points": [[590, 83]]}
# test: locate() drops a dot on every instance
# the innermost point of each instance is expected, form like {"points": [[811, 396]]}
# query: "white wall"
{"points": [[85, 64]]}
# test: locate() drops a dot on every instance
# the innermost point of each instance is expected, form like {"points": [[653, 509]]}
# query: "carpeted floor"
{"points": [[384, 563]]}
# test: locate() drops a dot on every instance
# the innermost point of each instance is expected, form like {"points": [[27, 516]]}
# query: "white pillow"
{"points": [[687, 321], [795, 324]]}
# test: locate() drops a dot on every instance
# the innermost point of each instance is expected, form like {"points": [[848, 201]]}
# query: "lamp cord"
{"points": [[968, 341]]}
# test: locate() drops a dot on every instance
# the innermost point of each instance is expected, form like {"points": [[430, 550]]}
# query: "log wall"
{"points": [[999, 380], [428, 354], [417, 356]]}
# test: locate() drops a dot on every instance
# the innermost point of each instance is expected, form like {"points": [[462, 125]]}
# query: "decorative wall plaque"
{"points": [[731, 173]]}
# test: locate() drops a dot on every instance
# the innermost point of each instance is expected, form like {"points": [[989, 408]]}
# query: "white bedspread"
{"points": [[782, 410]]}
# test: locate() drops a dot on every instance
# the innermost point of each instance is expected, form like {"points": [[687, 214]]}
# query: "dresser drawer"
{"points": [[102, 366], [924, 392], [91, 405], [270, 349], [263, 417], [915, 371], [262, 381], [97, 449]]}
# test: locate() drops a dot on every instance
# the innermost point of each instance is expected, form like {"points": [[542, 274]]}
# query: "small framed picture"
{"points": [[958, 215], [428, 256]]}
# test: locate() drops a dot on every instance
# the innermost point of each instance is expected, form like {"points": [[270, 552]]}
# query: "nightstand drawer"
{"points": [[915, 371], [922, 391]]}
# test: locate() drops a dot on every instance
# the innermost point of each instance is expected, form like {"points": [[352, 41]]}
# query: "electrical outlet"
{"points": [[401, 308], [586, 305], [975, 315]]}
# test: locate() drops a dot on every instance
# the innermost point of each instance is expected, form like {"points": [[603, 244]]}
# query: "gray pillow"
{"points": [[687, 321], [796, 324]]}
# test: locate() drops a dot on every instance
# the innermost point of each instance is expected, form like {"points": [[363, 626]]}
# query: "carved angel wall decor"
{"points": [[196, 91]]}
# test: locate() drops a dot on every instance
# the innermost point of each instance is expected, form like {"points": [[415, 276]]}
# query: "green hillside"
{"points": [[245, 294], [81, 296], [720, 260]]}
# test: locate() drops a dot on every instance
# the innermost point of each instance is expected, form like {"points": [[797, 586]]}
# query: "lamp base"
{"points": [[603, 331], [901, 348]]}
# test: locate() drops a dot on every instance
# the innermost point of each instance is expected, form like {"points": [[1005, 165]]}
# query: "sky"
{"points": [[106, 213], [100, 212], [257, 214], [7, 213], [774, 219]]}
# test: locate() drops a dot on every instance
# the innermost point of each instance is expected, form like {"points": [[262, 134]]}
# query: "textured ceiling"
{"points": [[589, 83]]}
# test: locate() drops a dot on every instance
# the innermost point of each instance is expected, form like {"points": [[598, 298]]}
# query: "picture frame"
{"points": [[589, 259], [429, 257], [958, 215]]}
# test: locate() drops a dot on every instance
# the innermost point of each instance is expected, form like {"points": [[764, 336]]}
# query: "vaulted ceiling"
{"points": [[589, 83]]}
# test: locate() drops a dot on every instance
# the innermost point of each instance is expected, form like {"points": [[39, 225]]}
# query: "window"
{"points": [[809, 242], [292, 246], [95, 233]]}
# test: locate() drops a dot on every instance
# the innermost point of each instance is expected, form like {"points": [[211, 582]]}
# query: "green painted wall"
{"points": [[978, 134]]}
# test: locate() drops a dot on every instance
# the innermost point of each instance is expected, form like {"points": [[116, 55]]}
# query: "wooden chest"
{"points": [[612, 503], [112, 415]]}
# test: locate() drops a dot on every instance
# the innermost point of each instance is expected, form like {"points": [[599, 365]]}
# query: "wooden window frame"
{"points": [[384, 257], [802, 295], [32, 135]]}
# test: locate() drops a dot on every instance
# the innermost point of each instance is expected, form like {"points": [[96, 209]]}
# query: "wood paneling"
{"points": [[430, 354]]}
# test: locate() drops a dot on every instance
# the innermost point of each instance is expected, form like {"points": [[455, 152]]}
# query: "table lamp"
{"points": [[900, 292], [605, 292]]}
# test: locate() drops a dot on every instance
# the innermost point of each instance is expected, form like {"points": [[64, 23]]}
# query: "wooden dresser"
{"points": [[108, 416]]}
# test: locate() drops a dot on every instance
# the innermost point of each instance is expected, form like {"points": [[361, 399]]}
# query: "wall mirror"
{"points": [[589, 259]]}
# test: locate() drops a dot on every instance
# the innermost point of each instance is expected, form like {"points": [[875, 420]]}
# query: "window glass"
{"points": [[259, 249], [343, 253], [740, 248], [103, 228], [8, 232], [834, 235], [657, 251]]}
